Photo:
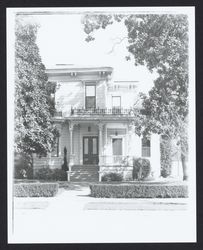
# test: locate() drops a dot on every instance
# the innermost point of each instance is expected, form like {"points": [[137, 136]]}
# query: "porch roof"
{"points": [[94, 119]]}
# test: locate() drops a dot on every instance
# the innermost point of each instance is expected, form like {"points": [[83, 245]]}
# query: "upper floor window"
{"points": [[146, 147], [90, 96], [116, 102]]}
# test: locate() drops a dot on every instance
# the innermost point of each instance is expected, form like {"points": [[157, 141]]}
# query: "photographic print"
{"points": [[101, 121]]}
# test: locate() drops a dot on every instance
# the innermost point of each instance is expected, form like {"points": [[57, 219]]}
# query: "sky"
{"points": [[61, 40]]}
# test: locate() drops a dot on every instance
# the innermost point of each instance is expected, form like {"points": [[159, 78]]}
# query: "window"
{"points": [[94, 146], [116, 102], [117, 146], [146, 147], [90, 96], [55, 151], [86, 146]]}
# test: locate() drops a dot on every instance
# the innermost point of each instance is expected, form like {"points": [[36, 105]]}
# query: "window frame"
{"points": [[114, 107], [86, 85], [117, 138], [146, 147]]}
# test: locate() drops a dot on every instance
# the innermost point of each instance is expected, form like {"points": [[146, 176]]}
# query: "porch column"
{"points": [[100, 126], [60, 134], [71, 126]]}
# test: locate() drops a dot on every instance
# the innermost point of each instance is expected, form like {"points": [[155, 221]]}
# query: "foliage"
{"points": [[139, 190], [160, 42], [35, 189], [166, 157], [65, 163], [141, 168], [51, 174], [34, 130], [112, 177], [23, 168]]}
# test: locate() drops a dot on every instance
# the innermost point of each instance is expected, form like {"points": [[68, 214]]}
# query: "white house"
{"points": [[95, 121]]}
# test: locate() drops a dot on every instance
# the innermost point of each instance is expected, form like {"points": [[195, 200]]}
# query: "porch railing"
{"points": [[116, 160], [58, 113]]}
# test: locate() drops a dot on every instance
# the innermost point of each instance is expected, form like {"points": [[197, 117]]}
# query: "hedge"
{"points": [[35, 189], [51, 174], [139, 190]]}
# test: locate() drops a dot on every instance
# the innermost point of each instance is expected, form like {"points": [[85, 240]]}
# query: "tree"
{"points": [[34, 130], [160, 42]]}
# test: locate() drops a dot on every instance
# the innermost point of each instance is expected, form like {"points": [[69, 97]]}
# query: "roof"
{"points": [[76, 68]]}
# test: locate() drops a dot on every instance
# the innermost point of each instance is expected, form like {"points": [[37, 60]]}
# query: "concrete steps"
{"points": [[88, 173]]}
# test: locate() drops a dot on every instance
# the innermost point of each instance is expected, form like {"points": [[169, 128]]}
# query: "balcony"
{"points": [[101, 112], [96, 113]]}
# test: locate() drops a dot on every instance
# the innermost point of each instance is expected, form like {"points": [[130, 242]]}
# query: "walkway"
{"points": [[74, 216]]}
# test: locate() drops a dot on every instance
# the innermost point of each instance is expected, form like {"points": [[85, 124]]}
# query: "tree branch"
{"points": [[117, 43]]}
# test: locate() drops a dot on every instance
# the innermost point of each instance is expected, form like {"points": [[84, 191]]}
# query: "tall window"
{"points": [[55, 150], [117, 146], [146, 150], [116, 102], [90, 96]]}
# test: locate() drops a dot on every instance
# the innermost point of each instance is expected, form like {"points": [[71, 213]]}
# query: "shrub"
{"points": [[59, 175], [65, 162], [22, 167], [35, 189], [139, 190], [166, 157], [112, 177], [51, 174], [141, 168]]}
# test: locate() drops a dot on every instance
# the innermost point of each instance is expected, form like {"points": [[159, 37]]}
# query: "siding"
{"points": [[69, 94], [100, 95], [128, 98], [76, 146], [72, 94]]}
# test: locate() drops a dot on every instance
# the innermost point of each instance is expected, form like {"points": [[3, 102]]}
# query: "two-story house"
{"points": [[95, 122]]}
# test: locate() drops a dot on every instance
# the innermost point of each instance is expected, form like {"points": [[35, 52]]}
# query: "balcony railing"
{"points": [[101, 112], [95, 112]]}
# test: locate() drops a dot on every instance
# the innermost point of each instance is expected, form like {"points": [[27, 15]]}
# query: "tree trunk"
{"points": [[185, 168]]}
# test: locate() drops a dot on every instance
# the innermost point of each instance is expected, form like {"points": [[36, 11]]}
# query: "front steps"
{"points": [[86, 173]]}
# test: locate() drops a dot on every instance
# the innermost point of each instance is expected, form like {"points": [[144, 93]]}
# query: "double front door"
{"points": [[90, 150]]}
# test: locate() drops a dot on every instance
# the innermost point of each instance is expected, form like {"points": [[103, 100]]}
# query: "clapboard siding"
{"points": [[72, 94]]}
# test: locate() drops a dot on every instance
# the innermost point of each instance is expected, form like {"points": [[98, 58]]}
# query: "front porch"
{"points": [[97, 148], [95, 142], [102, 145]]}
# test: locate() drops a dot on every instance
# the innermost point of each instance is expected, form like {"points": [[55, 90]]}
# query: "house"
{"points": [[94, 118]]}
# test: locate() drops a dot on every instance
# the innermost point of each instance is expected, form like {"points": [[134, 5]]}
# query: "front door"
{"points": [[90, 150]]}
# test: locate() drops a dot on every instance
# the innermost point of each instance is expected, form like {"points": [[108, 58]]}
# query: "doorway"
{"points": [[90, 150]]}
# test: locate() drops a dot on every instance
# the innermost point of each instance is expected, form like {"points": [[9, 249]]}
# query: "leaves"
{"points": [[160, 42], [34, 131]]}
